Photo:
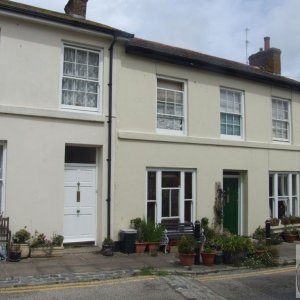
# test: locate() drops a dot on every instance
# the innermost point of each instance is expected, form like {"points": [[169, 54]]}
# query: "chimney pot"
{"points": [[76, 8], [267, 42]]}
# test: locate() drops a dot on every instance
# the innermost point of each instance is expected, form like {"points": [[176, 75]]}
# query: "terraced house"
{"points": [[99, 127]]}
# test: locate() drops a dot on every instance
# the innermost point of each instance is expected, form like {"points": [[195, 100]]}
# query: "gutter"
{"points": [[109, 151]]}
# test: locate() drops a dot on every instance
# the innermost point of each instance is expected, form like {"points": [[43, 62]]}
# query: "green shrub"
{"points": [[21, 236], [186, 244]]}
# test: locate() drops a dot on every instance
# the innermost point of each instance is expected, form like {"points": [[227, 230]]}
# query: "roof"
{"points": [[199, 60], [48, 15]]}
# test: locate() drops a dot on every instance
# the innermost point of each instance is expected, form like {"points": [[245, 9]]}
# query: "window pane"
{"points": [[151, 211], [294, 184], [69, 69], [91, 100], [67, 97], [271, 206], [188, 193], [79, 99], [93, 59], [170, 179], [81, 70], [68, 84], [83, 155], [294, 206], [92, 87], [81, 57], [165, 203], [93, 72], [160, 108], [151, 185], [1, 162], [271, 185], [174, 203], [169, 84], [281, 209], [282, 185], [188, 211], [69, 55]]}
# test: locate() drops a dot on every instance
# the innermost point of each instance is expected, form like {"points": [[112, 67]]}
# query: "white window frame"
{"points": [[3, 178], [289, 197], [182, 200], [74, 108], [242, 115], [288, 121], [170, 131]]}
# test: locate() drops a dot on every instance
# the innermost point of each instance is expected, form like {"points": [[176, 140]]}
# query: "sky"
{"points": [[214, 27]]}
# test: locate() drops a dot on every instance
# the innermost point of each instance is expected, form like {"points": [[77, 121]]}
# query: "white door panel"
{"points": [[80, 211]]}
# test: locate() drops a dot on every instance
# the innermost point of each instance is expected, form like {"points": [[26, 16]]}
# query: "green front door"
{"points": [[231, 187]]}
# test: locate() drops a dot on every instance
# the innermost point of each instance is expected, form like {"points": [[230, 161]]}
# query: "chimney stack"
{"points": [[267, 59], [76, 8], [267, 42]]}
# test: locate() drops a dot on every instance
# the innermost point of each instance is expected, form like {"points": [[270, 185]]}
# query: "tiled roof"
{"points": [[39, 13], [199, 60]]}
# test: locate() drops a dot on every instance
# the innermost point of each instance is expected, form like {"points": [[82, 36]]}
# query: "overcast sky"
{"points": [[215, 27]]}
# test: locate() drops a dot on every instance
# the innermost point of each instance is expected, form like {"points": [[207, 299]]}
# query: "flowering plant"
{"points": [[40, 240]]}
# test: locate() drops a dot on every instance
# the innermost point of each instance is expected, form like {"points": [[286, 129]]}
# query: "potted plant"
{"points": [[152, 234], [22, 237], [15, 253], [260, 248], [208, 255], [274, 221], [186, 249], [138, 224], [108, 247], [290, 234], [285, 220], [40, 246], [218, 245], [236, 248]]}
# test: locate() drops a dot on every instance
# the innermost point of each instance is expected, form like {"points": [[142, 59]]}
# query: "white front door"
{"points": [[80, 203]]}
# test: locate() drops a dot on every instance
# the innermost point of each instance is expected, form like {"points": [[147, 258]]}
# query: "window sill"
{"points": [[52, 114]]}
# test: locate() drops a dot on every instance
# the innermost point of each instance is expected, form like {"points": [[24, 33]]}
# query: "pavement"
{"points": [[87, 264]]}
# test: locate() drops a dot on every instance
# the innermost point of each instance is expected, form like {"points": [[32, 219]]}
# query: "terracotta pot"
{"points": [[187, 259], [260, 252], [289, 238], [153, 246], [208, 259], [140, 247]]}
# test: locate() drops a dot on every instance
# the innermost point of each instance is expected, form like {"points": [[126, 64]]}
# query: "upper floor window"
{"points": [[280, 120], [231, 113], [170, 105], [81, 78]]}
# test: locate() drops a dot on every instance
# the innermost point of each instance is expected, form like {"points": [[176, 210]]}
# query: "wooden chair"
{"points": [[5, 234]]}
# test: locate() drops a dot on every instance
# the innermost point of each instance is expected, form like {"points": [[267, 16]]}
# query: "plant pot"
{"points": [[55, 251], [187, 259], [289, 238], [219, 258], [274, 222], [14, 256], [208, 258], [260, 252], [24, 248], [140, 247], [107, 250], [153, 246]]}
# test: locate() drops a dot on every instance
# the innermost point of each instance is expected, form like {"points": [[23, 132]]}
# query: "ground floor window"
{"points": [[284, 194], [170, 195], [2, 177]]}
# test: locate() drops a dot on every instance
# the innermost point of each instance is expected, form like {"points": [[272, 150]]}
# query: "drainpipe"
{"points": [[111, 53]]}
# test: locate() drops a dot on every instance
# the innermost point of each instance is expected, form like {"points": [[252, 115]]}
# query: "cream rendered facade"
{"points": [[201, 148], [35, 130]]}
